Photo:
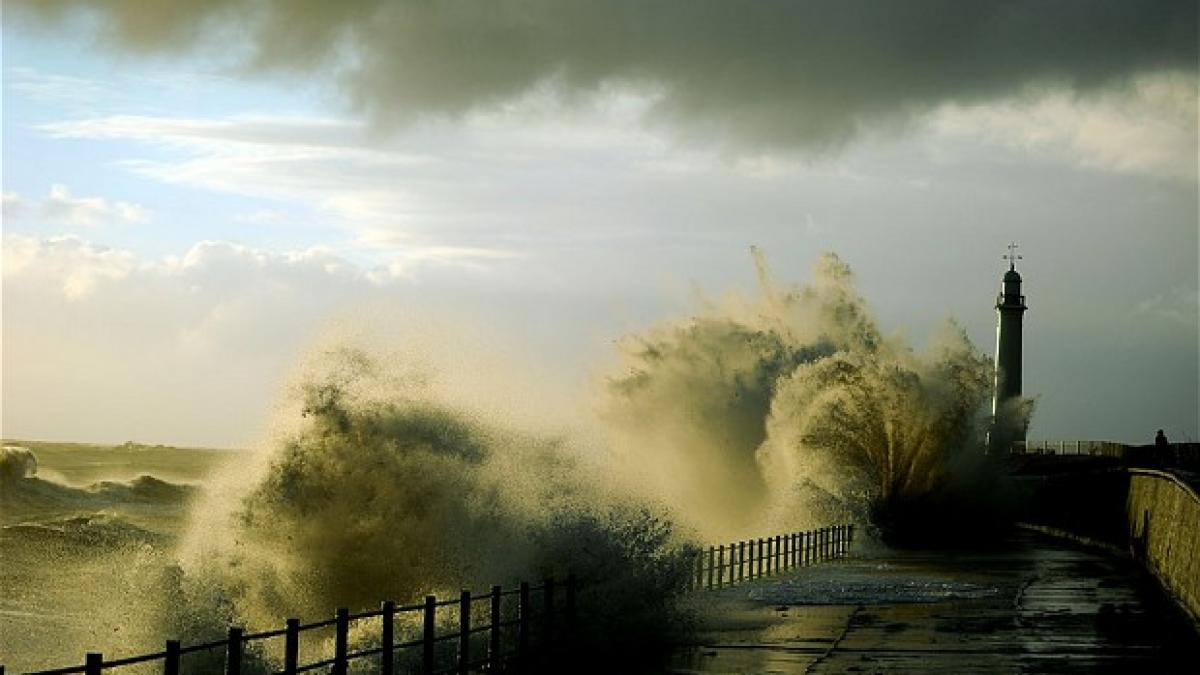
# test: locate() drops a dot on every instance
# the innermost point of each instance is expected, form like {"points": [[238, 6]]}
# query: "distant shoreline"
{"points": [[127, 445]]}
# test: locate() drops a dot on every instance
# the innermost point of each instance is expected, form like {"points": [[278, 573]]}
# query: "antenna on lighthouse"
{"points": [[1012, 256]]}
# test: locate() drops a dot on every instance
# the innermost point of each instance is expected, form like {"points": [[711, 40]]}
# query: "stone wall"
{"points": [[1163, 513]]}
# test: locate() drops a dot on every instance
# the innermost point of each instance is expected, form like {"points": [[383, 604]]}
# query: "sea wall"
{"points": [[1087, 503], [1151, 514], [1163, 512]]}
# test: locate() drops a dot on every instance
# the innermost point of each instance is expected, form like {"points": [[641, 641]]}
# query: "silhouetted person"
{"points": [[1162, 448]]}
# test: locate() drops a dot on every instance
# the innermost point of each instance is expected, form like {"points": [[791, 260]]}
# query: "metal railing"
{"points": [[495, 630], [514, 622], [728, 564], [1069, 448]]}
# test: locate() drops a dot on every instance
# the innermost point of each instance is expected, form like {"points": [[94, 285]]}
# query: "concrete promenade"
{"points": [[1034, 605]]}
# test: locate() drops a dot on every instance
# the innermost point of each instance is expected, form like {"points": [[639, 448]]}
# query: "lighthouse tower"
{"points": [[1008, 421]]}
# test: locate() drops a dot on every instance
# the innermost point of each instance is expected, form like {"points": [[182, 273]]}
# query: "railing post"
{"points": [[712, 553], [170, 662], [759, 558], [428, 635], [778, 552], [741, 563], [291, 647], [464, 632], [494, 657], [233, 652], [93, 663], [732, 550], [721, 566], [387, 638], [750, 558], [523, 609], [341, 633]]}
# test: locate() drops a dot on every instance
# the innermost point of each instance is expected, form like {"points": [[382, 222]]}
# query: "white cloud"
{"points": [[104, 345], [74, 265], [100, 343], [448, 190], [81, 265], [75, 93], [1148, 127], [61, 208]]}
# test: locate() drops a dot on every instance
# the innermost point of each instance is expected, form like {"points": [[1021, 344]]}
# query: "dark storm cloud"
{"points": [[768, 72]]}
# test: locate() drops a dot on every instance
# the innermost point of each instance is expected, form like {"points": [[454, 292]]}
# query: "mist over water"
{"points": [[396, 473]]}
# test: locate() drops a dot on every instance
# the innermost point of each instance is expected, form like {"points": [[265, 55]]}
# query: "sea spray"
{"points": [[16, 463], [792, 408], [879, 431], [384, 488]]}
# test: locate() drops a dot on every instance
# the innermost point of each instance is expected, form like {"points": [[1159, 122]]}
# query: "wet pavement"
{"points": [[1037, 605]]}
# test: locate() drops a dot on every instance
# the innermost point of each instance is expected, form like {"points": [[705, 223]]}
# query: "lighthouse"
{"points": [[1008, 418]]}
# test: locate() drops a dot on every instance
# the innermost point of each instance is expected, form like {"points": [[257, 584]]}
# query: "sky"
{"points": [[195, 192]]}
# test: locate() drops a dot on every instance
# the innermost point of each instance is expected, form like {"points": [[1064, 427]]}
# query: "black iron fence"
{"points": [[488, 632], [1090, 448], [1181, 455], [728, 564]]}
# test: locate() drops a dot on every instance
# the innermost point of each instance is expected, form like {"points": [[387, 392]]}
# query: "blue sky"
{"points": [[194, 219], [50, 78]]}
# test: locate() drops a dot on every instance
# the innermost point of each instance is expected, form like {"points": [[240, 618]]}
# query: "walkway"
{"points": [[1037, 605]]}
